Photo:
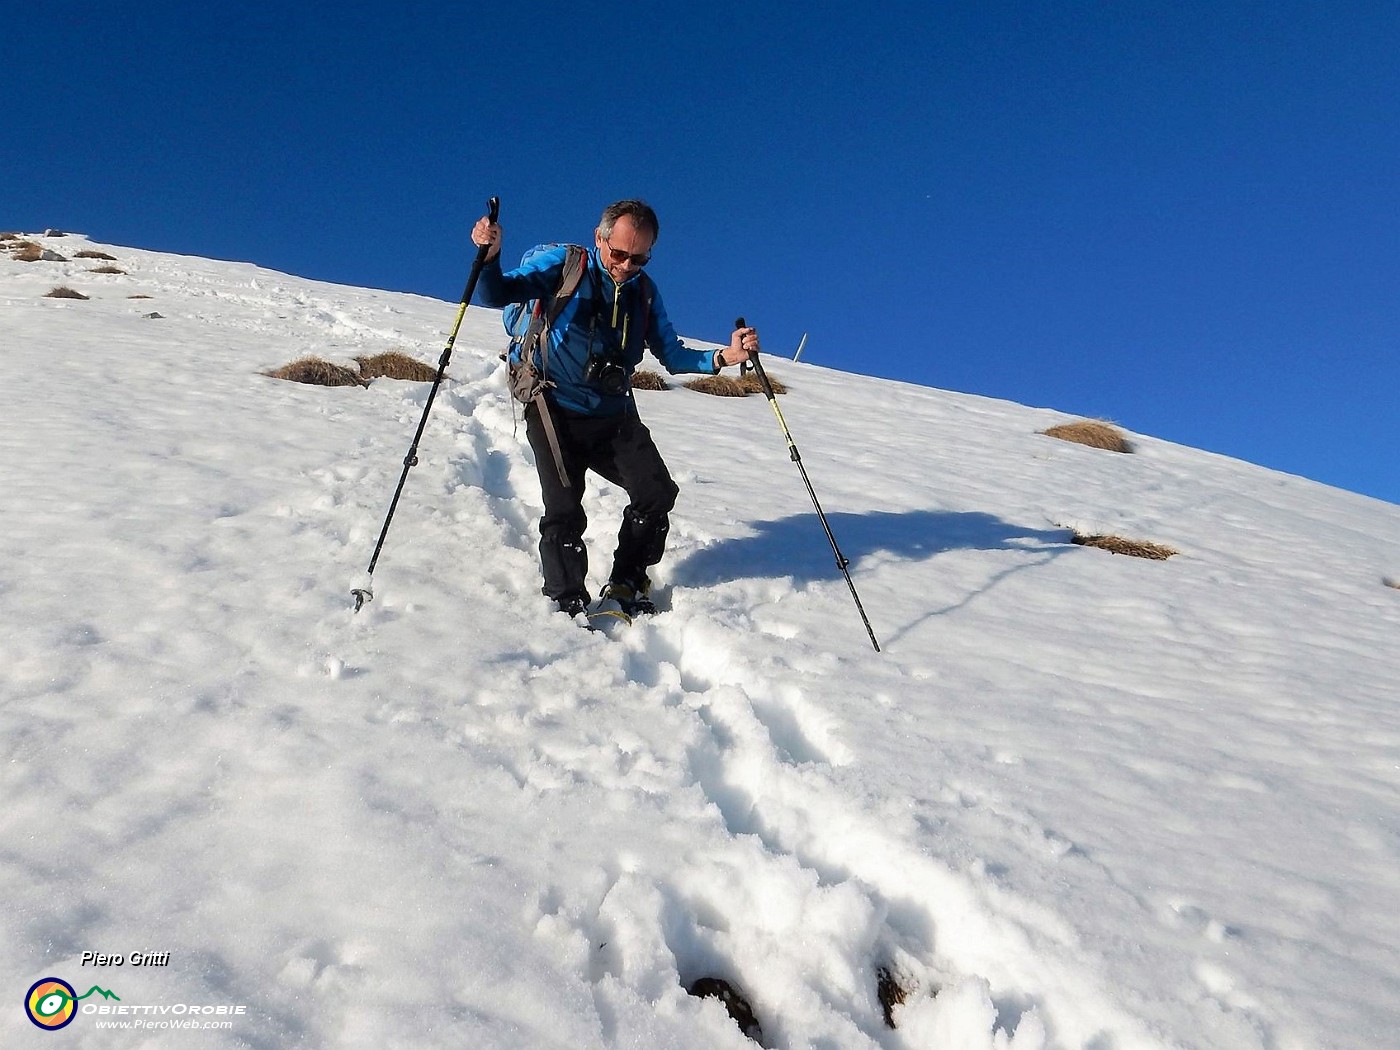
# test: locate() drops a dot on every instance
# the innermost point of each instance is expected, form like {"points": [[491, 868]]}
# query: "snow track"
{"points": [[759, 754]]}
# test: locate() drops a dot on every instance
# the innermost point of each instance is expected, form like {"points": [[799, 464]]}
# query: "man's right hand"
{"points": [[743, 344], [485, 233]]}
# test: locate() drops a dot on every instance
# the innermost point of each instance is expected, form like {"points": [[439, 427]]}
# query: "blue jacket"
{"points": [[602, 316]]}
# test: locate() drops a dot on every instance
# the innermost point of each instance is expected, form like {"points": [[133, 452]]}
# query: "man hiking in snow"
{"points": [[590, 351]]}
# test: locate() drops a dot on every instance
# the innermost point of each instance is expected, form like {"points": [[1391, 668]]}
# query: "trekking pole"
{"points": [[366, 593], [841, 561]]}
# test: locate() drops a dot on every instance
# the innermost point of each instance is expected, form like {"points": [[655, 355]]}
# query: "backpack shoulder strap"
{"points": [[575, 262], [545, 313]]}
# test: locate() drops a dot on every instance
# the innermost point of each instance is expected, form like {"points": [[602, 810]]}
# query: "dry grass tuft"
{"points": [[738, 1008], [720, 386], [749, 381], [22, 250], [9, 236], [892, 991], [88, 253], [395, 365], [1132, 548], [318, 372], [64, 292], [107, 269], [138, 296], [1392, 581], [1095, 433], [643, 379]]}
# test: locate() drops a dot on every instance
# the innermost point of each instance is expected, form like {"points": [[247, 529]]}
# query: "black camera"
{"points": [[608, 374]]}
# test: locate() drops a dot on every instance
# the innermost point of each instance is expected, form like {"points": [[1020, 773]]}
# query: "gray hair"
{"points": [[640, 213]]}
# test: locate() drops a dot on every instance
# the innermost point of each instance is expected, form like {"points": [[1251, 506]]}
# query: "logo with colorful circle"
{"points": [[52, 1003]]}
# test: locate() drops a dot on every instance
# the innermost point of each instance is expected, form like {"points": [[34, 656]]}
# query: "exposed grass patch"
{"points": [[734, 1002], [892, 991], [23, 250], [719, 386], [395, 365], [107, 269], [1095, 433], [88, 253], [64, 292], [318, 372], [749, 381], [1132, 548], [644, 379]]}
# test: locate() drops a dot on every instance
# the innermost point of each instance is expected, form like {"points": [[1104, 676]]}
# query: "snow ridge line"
{"points": [[287, 307]]}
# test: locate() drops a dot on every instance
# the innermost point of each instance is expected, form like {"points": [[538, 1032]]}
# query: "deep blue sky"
{"points": [[1181, 216]]}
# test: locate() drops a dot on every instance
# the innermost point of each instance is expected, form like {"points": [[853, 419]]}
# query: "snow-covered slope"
{"points": [[1081, 801]]}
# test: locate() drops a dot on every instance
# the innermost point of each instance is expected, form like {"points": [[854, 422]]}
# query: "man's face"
{"points": [[628, 242]]}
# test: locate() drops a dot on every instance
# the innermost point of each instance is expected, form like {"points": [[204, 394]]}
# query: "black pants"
{"points": [[619, 449]]}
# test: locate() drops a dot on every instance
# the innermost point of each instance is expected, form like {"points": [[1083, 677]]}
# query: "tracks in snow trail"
{"points": [[776, 769], [742, 836]]}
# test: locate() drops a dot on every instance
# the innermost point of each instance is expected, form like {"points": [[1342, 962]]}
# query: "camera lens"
{"points": [[608, 374]]}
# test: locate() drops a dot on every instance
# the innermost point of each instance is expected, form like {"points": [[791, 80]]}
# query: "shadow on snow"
{"points": [[797, 546]]}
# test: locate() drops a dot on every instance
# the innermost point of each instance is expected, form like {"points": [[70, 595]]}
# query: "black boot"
{"points": [[574, 605], [633, 598]]}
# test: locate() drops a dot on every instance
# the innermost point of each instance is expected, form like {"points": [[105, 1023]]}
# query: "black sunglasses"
{"points": [[619, 256]]}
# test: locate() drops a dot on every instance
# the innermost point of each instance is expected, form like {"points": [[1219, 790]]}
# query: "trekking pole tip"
{"points": [[362, 596]]}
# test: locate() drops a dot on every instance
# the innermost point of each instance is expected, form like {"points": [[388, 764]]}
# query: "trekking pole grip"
{"points": [[493, 212], [754, 363]]}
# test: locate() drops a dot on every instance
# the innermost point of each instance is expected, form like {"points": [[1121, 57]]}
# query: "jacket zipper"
{"points": [[626, 318]]}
